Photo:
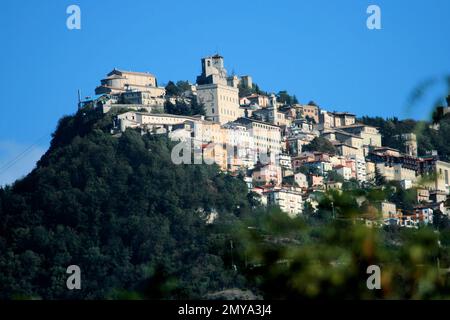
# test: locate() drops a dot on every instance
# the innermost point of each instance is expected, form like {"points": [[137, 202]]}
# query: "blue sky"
{"points": [[320, 50]]}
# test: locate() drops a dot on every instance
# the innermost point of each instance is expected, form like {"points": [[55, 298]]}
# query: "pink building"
{"points": [[269, 173]]}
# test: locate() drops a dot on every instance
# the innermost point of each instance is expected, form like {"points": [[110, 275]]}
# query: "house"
{"points": [[346, 150], [267, 174], [441, 171], [361, 168], [326, 120], [423, 195], [315, 181], [240, 144], [301, 180], [419, 215], [345, 172], [310, 111], [424, 214], [437, 196], [396, 172], [259, 100], [370, 135], [333, 185], [335, 119], [320, 167], [343, 119], [406, 184], [386, 208], [260, 191]]}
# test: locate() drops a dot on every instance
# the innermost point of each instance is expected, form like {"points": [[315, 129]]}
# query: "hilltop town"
{"points": [[288, 153]]}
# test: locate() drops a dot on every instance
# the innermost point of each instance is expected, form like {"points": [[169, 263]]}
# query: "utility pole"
{"points": [[332, 207]]}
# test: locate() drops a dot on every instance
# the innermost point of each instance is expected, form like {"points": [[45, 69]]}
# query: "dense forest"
{"points": [[140, 227], [118, 208]]}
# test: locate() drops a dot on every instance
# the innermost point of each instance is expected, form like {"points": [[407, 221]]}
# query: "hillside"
{"points": [[118, 208], [137, 226]]}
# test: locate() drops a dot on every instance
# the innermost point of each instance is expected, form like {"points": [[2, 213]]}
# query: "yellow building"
{"points": [[441, 180], [310, 111], [119, 81], [221, 100], [369, 134]]}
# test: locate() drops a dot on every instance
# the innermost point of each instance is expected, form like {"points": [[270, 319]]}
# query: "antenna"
{"points": [[79, 99]]}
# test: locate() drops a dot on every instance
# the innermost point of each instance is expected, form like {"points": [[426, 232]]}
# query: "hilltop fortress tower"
{"points": [[216, 93]]}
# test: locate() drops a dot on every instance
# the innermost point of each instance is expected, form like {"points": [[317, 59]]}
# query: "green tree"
{"points": [[172, 89], [320, 144], [379, 179]]}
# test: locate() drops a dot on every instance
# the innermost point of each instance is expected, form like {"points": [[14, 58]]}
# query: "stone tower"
{"points": [[220, 99], [274, 104], [410, 141], [213, 71]]}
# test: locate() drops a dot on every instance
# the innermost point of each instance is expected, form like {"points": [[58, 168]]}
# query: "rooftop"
{"points": [[343, 114], [118, 71], [249, 120]]}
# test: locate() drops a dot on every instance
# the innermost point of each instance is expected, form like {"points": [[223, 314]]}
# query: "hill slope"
{"points": [[119, 209]]}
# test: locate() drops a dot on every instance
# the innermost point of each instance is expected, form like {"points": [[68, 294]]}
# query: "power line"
{"points": [[20, 156]]}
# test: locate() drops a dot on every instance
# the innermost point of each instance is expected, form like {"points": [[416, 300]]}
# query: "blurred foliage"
{"points": [[307, 258]]}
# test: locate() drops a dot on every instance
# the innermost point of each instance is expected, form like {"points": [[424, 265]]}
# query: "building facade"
{"points": [[220, 99]]}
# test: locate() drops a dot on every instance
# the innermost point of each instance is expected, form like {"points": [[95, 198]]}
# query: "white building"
{"points": [[240, 144], [346, 172], [289, 201], [301, 180], [266, 136], [361, 174]]}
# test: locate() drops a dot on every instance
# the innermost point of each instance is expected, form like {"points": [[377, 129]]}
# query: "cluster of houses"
{"points": [[263, 139]]}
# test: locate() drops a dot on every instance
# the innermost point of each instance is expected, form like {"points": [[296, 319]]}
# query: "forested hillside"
{"points": [[118, 208]]}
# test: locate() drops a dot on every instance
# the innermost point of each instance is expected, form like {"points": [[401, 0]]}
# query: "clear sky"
{"points": [[320, 50]]}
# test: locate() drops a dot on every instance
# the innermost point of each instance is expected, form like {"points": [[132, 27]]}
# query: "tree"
{"points": [[197, 108], [352, 184], [96, 201], [285, 98], [335, 177], [183, 86], [181, 107], [172, 89], [379, 179], [246, 91], [320, 144]]}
